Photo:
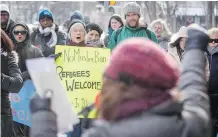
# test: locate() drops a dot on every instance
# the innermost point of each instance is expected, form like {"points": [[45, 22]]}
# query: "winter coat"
{"points": [[25, 51], [213, 63], [11, 80], [213, 80], [40, 41], [128, 32], [188, 118], [163, 42], [7, 30]]}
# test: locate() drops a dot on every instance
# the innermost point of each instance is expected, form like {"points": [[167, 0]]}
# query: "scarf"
{"points": [[93, 43], [80, 44], [110, 31], [131, 107], [47, 31], [212, 50]]}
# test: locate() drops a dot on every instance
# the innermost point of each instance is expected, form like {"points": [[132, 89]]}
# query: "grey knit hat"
{"points": [[132, 7]]}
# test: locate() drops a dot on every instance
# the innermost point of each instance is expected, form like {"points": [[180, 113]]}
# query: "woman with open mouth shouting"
{"points": [[76, 34]]}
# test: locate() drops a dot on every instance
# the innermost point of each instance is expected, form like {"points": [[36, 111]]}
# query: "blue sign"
{"points": [[20, 103]]}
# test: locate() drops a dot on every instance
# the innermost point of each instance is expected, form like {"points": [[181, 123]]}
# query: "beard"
{"points": [[133, 25], [4, 24]]}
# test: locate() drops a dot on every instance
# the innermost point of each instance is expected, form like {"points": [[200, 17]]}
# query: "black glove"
{"points": [[38, 103], [197, 38], [55, 56], [25, 75]]}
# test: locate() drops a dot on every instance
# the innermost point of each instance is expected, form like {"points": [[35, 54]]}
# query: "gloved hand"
{"points": [[25, 75], [38, 103], [55, 56], [197, 38]]}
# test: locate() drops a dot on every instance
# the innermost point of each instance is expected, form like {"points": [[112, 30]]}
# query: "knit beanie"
{"points": [[132, 7], [77, 16], [140, 61], [74, 22], [93, 26], [46, 13]]}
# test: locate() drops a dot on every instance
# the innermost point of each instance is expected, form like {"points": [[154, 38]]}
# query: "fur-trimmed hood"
{"points": [[13, 54]]}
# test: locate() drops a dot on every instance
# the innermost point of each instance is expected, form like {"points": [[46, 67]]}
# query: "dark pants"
{"points": [[214, 114], [6, 126], [20, 130]]}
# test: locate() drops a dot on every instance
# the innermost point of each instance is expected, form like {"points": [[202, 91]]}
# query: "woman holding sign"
{"points": [[11, 82]]}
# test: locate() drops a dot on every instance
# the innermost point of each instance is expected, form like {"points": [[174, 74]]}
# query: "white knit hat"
{"points": [[132, 7]]}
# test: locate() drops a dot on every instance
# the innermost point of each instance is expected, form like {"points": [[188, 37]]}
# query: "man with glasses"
{"points": [[6, 21], [213, 79], [133, 27]]}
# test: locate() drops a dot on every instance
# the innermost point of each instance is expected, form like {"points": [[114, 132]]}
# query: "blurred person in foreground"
{"points": [[21, 38], [212, 55], [47, 35], [11, 82], [137, 101], [132, 28], [162, 32]]}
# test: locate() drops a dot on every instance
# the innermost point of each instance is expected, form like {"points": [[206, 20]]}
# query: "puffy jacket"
{"points": [[40, 41], [11, 80]]}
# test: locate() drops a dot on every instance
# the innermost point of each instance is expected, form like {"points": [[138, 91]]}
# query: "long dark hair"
{"points": [[6, 43], [178, 48], [116, 17]]}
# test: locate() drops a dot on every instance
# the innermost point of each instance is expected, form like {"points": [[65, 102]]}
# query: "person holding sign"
{"points": [[11, 82], [137, 101]]}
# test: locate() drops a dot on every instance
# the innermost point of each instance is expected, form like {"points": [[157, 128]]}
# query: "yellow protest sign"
{"points": [[80, 70]]}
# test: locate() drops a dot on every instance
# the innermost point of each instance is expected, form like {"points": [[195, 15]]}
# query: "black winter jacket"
{"points": [[11, 80]]}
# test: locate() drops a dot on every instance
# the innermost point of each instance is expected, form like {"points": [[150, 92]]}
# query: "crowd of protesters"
{"points": [[168, 86]]}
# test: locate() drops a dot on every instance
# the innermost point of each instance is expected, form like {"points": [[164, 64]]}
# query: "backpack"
{"points": [[119, 30]]}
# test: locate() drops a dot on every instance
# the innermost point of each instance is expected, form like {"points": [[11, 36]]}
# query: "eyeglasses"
{"points": [[21, 32], [213, 40]]}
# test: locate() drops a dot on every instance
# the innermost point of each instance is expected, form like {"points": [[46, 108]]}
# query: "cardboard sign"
{"points": [[80, 70], [20, 103]]}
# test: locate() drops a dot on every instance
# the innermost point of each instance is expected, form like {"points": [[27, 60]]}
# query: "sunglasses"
{"points": [[213, 40], [21, 32]]}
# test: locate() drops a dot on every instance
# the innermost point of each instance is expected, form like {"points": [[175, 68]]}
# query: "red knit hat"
{"points": [[143, 62]]}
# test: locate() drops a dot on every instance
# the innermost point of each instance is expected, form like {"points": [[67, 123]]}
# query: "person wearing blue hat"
{"points": [[48, 34]]}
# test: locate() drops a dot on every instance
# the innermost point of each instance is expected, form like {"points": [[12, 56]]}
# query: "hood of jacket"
{"points": [[26, 42], [12, 54], [4, 7]]}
